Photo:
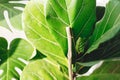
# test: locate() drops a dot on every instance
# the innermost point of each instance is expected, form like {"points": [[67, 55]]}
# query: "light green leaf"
{"points": [[107, 27], [42, 70], [109, 70], [38, 33], [14, 14], [12, 59]]}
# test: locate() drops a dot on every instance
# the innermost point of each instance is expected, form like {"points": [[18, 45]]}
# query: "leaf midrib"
{"points": [[61, 6]]}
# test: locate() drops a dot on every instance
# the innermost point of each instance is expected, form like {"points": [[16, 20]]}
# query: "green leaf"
{"points": [[14, 15], [38, 33], [107, 50], [42, 70], [63, 13], [107, 27], [109, 70], [12, 59]]}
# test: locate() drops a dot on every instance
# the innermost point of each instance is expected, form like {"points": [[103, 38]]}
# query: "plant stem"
{"points": [[69, 36]]}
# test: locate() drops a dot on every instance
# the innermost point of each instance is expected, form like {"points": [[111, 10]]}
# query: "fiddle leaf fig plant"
{"points": [[45, 23], [71, 40]]}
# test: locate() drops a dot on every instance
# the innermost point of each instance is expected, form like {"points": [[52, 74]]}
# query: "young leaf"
{"points": [[108, 71], [80, 45], [107, 27], [38, 32], [14, 14], [12, 59], [42, 69]]}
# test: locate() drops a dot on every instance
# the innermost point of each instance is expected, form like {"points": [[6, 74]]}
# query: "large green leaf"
{"points": [[109, 70], [107, 27], [77, 14], [42, 70], [38, 33], [14, 14], [12, 59]]}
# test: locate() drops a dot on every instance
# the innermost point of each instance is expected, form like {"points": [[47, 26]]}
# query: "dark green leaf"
{"points": [[12, 58], [107, 27], [108, 50]]}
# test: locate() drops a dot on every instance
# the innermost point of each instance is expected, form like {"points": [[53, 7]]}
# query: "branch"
{"points": [[69, 36]]}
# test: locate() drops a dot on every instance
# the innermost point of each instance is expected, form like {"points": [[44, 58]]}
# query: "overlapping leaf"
{"points": [[110, 27], [77, 14], [107, 27], [12, 59], [13, 13], [108, 71], [38, 32], [108, 50], [42, 70]]}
